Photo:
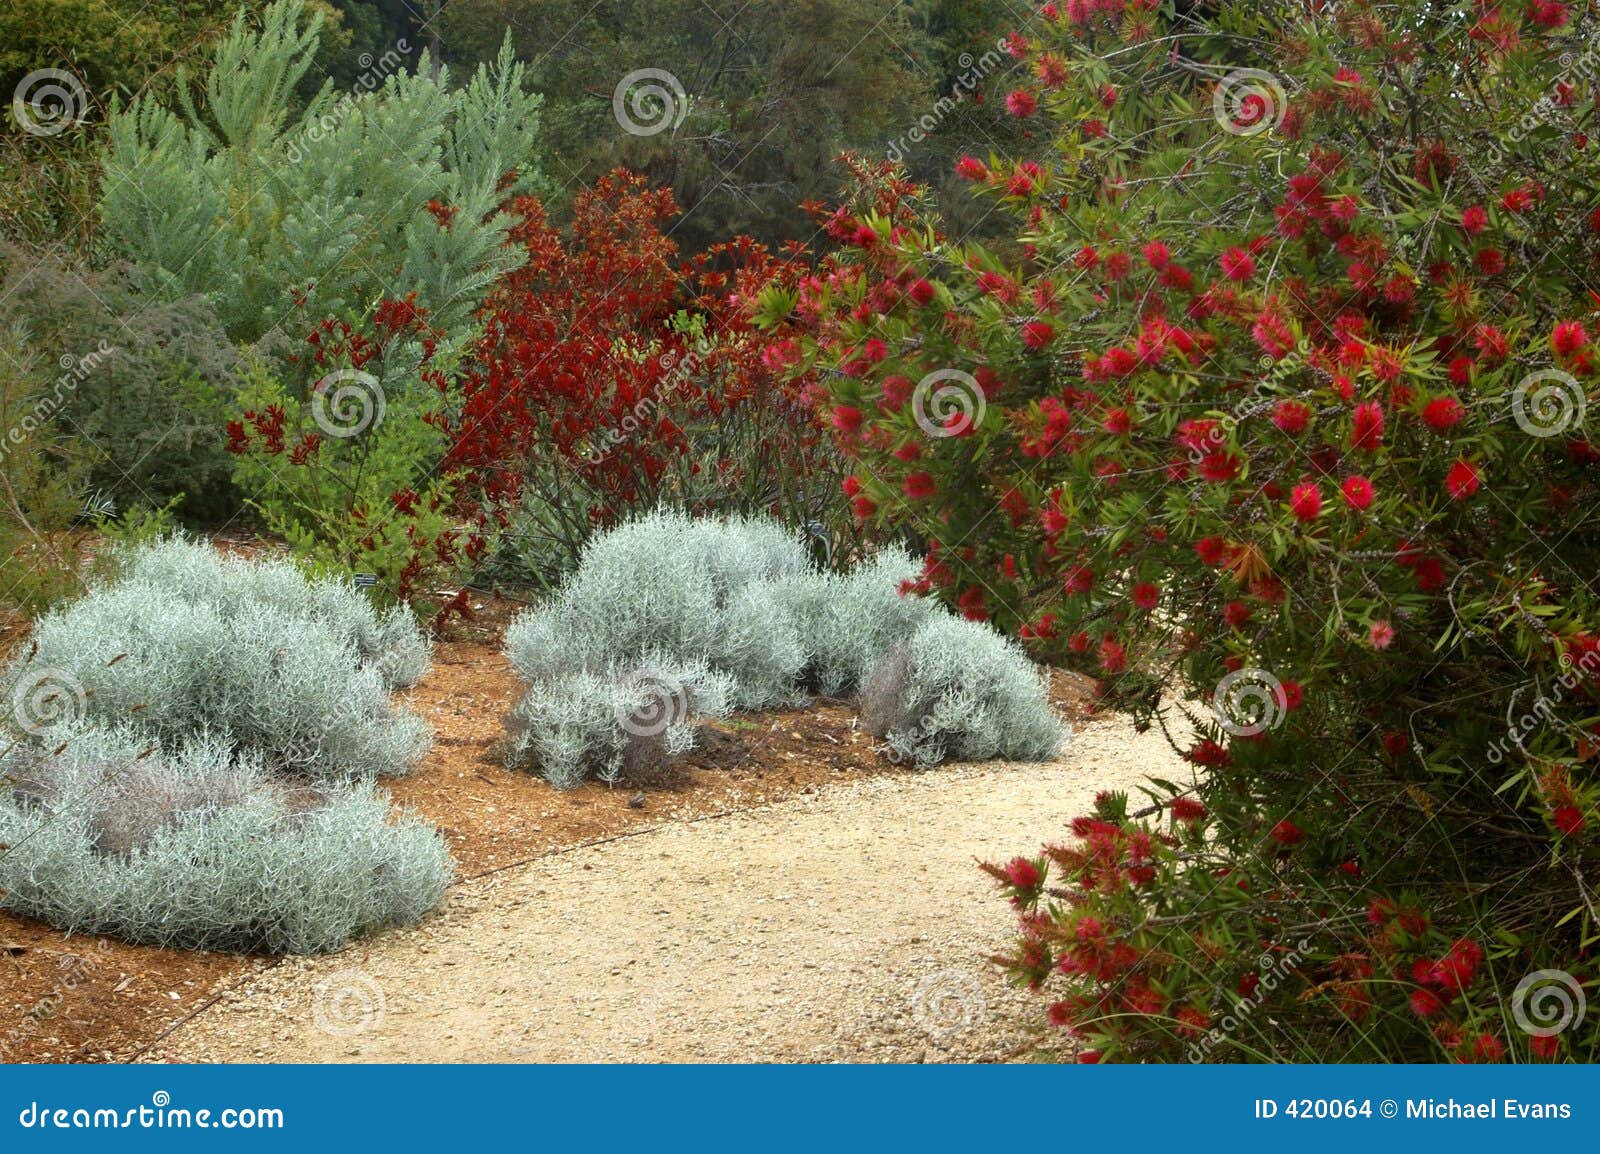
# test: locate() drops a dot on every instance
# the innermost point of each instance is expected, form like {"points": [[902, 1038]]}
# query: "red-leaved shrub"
{"points": [[611, 377]]}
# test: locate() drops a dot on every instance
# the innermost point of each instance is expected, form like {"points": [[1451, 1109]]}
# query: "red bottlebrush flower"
{"points": [[851, 486], [1210, 754], [1220, 467], [897, 391], [1157, 255], [1078, 579], [1037, 334], [864, 507], [1425, 1003], [1146, 595], [1291, 416], [1211, 550], [1051, 69], [1113, 657], [921, 292], [1021, 103], [1248, 984], [1569, 820], [920, 486], [847, 418], [1545, 1046], [1463, 480], [1089, 1058], [1474, 219], [1187, 809], [1237, 264], [1366, 428], [1357, 492], [1306, 501], [1022, 873], [1490, 261], [1293, 695], [972, 605], [971, 168], [1286, 833], [1118, 421], [1443, 413], [1236, 613], [1488, 1048], [1568, 338], [1380, 635], [864, 237]]}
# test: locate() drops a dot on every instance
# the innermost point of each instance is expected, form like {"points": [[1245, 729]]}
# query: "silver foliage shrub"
{"points": [[731, 615], [184, 642], [386, 639], [958, 690], [193, 847], [618, 722], [848, 620]]}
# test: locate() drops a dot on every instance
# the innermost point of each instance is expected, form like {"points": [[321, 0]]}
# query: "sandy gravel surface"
{"points": [[847, 924]]}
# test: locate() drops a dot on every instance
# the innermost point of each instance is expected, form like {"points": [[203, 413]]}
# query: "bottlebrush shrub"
{"points": [[243, 663], [194, 848], [1279, 392], [957, 690], [340, 452], [611, 379]]}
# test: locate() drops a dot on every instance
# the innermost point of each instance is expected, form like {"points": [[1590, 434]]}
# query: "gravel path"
{"points": [[850, 924]]}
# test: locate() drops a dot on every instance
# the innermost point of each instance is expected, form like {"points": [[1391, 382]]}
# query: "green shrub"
{"points": [[247, 198], [143, 385]]}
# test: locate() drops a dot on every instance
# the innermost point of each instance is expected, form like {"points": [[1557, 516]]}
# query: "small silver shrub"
{"points": [[185, 642], [193, 848], [960, 691]]}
